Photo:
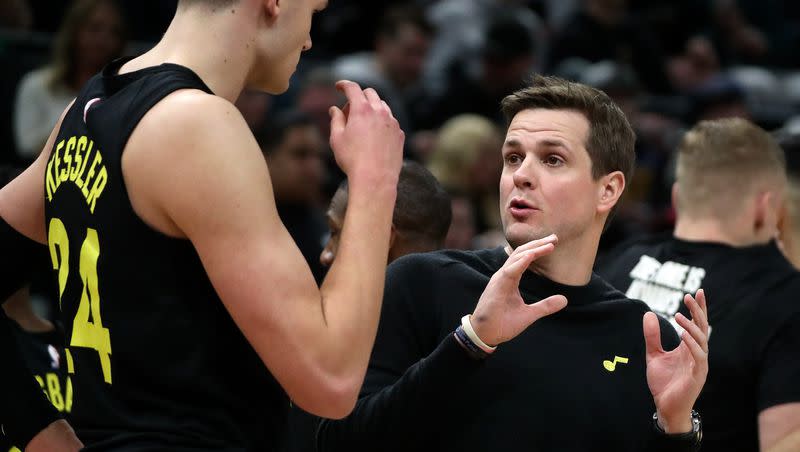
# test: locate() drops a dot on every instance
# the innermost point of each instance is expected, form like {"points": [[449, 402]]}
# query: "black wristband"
{"points": [[466, 343]]}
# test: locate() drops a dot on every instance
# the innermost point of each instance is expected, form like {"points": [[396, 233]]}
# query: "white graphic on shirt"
{"points": [[88, 106], [55, 358], [662, 286]]}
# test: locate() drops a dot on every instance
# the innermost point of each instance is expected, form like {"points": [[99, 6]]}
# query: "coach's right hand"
{"points": [[365, 137], [501, 313]]}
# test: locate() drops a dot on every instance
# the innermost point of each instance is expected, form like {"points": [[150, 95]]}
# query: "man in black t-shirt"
{"points": [[728, 197], [583, 378]]}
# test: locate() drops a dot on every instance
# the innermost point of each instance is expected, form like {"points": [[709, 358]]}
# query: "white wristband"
{"points": [[467, 325]]}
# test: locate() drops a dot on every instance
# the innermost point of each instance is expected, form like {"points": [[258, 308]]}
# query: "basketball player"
{"points": [[191, 317]]}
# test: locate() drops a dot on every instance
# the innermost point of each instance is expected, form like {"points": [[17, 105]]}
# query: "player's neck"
{"points": [[215, 46], [18, 308], [711, 230]]}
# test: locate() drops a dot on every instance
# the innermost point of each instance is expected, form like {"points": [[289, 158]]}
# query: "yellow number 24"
{"points": [[85, 333]]}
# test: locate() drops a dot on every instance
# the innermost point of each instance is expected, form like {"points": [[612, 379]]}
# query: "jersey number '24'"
{"points": [[86, 333]]}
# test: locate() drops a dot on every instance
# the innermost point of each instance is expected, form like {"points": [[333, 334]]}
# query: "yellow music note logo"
{"points": [[612, 366]]}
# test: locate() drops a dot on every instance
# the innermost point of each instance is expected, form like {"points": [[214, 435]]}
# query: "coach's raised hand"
{"points": [[501, 313], [676, 377]]}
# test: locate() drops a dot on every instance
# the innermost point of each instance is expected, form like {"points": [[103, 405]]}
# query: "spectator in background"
{"points": [[729, 196], [254, 106], [92, 34], [604, 30], [507, 59], [465, 161], [462, 232], [293, 148], [15, 14], [316, 95], [395, 67]]}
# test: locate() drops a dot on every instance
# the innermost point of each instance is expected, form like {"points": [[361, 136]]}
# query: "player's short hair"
{"points": [[422, 212], [722, 161]]}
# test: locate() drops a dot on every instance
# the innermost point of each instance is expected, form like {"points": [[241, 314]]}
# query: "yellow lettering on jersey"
{"points": [[66, 159], [70, 165], [97, 188], [51, 181], [57, 162], [68, 396], [70, 362], [78, 158], [54, 391], [79, 179], [40, 381]]}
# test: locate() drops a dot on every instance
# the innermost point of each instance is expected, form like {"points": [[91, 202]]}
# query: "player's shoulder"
{"points": [[190, 121]]}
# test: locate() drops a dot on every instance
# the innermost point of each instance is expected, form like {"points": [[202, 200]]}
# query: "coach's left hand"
{"points": [[676, 377]]}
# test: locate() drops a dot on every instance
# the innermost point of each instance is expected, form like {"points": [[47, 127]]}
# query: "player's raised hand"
{"points": [[365, 137], [501, 313], [676, 377]]}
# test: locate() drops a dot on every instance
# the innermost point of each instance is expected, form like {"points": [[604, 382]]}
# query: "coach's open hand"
{"points": [[501, 313], [676, 377]]}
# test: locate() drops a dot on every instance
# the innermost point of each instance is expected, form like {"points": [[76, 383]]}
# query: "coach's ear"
{"points": [[609, 191]]}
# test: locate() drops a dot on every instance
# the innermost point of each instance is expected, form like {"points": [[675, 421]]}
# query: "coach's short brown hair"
{"points": [[720, 162], [611, 139]]}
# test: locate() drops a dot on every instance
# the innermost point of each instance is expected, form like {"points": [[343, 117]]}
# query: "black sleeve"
{"points": [[780, 367], [20, 255], [401, 415], [412, 372], [24, 409]]}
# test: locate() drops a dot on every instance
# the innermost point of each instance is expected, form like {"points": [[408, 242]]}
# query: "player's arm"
{"points": [[25, 413], [779, 395], [193, 158]]}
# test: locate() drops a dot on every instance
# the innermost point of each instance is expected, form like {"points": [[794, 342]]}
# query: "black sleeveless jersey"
{"points": [[44, 355], [156, 361]]}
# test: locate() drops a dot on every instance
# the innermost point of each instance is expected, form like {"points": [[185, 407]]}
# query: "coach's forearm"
{"points": [[790, 443]]}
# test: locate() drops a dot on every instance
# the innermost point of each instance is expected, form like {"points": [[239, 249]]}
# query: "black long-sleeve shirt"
{"points": [[554, 387]]}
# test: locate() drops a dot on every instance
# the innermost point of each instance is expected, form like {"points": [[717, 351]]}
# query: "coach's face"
{"points": [[546, 185]]}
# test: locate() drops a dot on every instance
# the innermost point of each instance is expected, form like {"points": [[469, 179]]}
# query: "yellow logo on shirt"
{"points": [[611, 366]]}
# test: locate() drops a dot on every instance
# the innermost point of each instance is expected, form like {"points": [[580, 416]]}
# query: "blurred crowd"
{"points": [[443, 66]]}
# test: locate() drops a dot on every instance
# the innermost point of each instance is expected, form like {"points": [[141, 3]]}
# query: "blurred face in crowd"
{"points": [[404, 54], [462, 226], [295, 166], [546, 185], [99, 39]]}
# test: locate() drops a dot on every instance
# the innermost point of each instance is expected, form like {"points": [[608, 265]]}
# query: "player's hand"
{"points": [[365, 137], [501, 313], [676, 377], [56, 437]]}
